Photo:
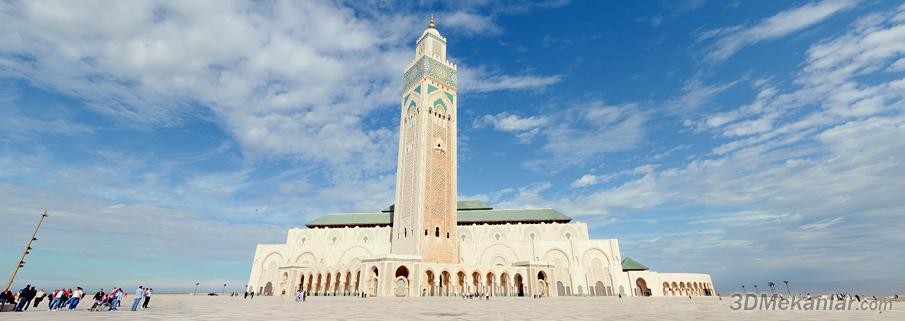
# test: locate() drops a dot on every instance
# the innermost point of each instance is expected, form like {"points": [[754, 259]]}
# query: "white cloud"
{"points": [[695, 95], [575, 135], [525, 128], [471, 23], [20, 127], [286, 79], [591, 179], [582, 133], [781, 24], [586, 180], [815, 187], [480, 80]]}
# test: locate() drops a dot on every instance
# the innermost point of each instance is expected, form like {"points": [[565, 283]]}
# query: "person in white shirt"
{"points": [[76, 297], [139, 297], [57, 299], [147, 297]]}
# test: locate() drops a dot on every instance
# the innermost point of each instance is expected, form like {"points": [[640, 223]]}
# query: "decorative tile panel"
{"points": [[429, 67]]}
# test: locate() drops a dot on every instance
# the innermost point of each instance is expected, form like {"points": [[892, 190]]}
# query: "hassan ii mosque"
{"points": [[429, 243]]}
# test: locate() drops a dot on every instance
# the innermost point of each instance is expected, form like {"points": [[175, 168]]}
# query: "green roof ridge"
{"points": [[469, 212], [629, 264]]}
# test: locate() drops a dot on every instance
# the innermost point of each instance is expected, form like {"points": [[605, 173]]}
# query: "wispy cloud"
{"points": [[730, 40], [822, 178], [525, 128], [573, 135], [481, 80]]}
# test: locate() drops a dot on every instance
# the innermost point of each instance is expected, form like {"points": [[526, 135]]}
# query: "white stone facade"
{"points": [[522, 252], [570, 262]]}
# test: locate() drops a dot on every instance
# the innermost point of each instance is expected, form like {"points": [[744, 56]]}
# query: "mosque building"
{"points": [[428, 243]]}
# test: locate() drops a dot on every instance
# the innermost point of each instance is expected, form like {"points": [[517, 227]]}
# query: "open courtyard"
{"points": [[188, 307]]}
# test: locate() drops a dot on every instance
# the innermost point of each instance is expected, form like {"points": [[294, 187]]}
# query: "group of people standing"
{"points": [[68, 299]]}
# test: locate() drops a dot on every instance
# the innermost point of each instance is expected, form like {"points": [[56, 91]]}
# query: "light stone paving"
{"points": [[187, 307]]}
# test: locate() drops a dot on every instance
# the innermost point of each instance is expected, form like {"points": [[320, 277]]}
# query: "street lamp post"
{"points": [[772, 288], [21, 262], [787, 287], [196, 288], [224, 289], [743, 290], [755, 289]]}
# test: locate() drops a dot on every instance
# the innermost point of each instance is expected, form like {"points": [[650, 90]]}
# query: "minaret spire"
{"points": [[430, 25]]}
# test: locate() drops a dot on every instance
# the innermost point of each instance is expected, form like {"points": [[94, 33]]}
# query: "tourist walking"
{"points": [[76, 297], [39, 296], [23, 298], [98, 299], [117, 297], [57, 299], [148, 293], [139, 297], [298, 295]]}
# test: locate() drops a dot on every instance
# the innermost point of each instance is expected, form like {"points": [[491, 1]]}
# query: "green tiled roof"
{"points": [[516, 215], [472, 205], [628, 264], [467, 205], [350, 219], [469, 212]]}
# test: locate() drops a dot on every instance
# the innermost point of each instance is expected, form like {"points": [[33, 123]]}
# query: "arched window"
{"points": [[405, 232], [425, 232], [447, 234], [437, 232]]}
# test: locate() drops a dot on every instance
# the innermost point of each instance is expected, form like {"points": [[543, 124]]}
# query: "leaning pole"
{"points": [[21, 261]]}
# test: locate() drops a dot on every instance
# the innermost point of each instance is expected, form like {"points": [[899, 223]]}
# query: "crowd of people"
{"points": [[69, 299]]}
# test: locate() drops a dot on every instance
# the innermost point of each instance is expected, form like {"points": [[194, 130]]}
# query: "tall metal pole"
{"points": [[21, 261]]}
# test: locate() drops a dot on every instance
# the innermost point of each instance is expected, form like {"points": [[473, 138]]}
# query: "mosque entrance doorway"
{"points": [[519, 286], [401, 285]]}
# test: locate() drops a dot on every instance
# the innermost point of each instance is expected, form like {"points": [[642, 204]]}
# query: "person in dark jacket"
{"points": [[23, 298]]}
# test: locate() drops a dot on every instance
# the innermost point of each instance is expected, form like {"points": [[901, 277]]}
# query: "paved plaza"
{"points": [[187, 307]]}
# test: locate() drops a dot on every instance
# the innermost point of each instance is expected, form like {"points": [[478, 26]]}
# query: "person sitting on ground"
{"points": [[6, 297]]}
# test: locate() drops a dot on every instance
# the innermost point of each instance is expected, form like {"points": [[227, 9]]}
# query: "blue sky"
{"points": [[755, 140]]}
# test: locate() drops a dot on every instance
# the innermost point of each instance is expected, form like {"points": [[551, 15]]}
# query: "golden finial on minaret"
{"points": [[431, 24]]}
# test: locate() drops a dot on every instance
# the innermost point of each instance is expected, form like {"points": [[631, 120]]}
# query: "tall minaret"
{"points": [[424, 219]]}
